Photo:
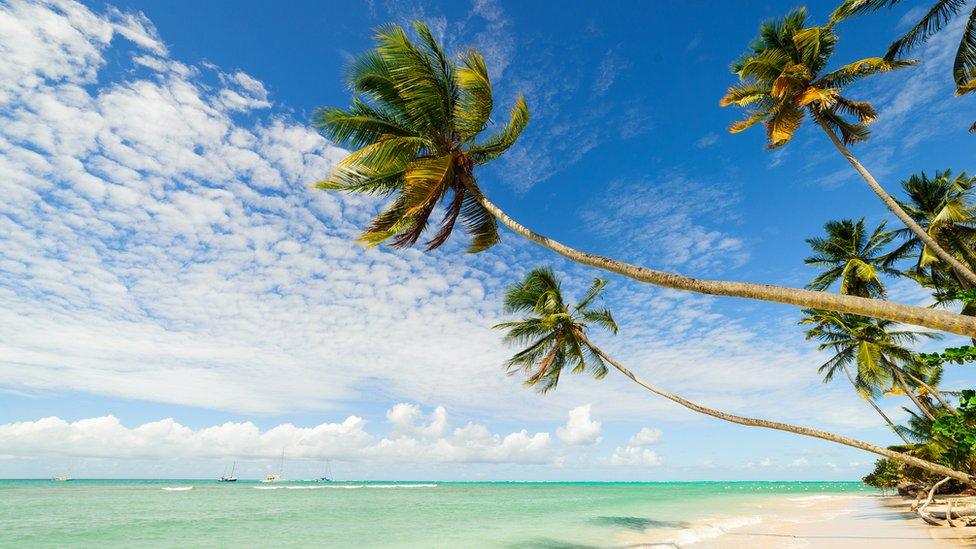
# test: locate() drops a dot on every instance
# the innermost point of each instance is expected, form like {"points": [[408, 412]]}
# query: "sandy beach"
{"points": [[837, 522]]}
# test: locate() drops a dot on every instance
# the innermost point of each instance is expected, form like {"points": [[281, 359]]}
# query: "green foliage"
{"points": [[957, 432], [415, 124], [783, 78], [854, 256], [885, 474], [553, 331], [874, 347], [967, 296], [951, 355]]}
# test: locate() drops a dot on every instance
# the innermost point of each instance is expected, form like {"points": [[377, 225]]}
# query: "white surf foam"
{"points": [[177, 488], [343, 486], [711, 530]]}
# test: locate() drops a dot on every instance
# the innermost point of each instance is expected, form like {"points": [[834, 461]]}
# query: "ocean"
{"points": [[205, 513]]}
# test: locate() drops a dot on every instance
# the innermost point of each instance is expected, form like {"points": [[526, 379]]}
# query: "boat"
{"points": [[230, 477], [62, 478], [328, 474], [280, 477]]}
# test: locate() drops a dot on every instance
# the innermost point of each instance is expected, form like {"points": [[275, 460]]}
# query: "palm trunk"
{"points": [[934, 392], [892, 205], [877, 408], [806, 431], [911, 394], [918, 316]]}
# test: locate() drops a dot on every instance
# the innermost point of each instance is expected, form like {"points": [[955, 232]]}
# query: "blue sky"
{"points": [[176, 297]]}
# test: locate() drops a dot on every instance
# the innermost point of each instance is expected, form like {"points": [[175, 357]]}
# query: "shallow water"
{"points": [[408, 514]]}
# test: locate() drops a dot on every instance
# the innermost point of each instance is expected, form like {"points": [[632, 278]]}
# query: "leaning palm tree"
{"points": [[853, 257], [416, 125], [934, 20], [943, 206], [784, 78], [875, 348], [555, 336], [554, 331]]}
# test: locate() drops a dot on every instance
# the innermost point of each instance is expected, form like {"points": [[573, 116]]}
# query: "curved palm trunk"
{"points": [[877, 408], [892, 205], [911, 394], [806, 431], [919, 316], [934, 392]]}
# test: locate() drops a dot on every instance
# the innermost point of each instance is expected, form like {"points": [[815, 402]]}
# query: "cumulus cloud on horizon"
{"points": [[414, 438]]}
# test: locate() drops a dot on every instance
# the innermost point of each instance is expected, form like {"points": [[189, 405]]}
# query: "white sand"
{"points": [[842, 522]]}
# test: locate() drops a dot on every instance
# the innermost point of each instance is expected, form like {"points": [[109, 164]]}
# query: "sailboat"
{"points": [[230, 477], [281, 471], [328, 474]]}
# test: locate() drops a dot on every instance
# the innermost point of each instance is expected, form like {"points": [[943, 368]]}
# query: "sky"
{"points": [[176, 297]]}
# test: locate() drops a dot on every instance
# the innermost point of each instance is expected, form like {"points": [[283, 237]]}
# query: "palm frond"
{"points": [[852, 72], [479, 224], [932, 22], [475, 102], [591, 293], [497, 144], [964, 65]]}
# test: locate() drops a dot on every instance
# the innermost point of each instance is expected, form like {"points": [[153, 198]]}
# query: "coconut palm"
{"points": [[942, 205], [555, 336], [853, 257], [415, 126], [875, 348], [934, 20], [554, 330], [784, 78]]}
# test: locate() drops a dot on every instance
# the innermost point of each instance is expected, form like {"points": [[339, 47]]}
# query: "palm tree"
{"points": [[415, 125], [555, 336], [554, 332], [934, 20], [874, 347], [853, 257], [784, 78], [942, 205]]}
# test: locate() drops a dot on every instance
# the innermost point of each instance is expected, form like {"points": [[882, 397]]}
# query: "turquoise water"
{"points": [[198, 513]]}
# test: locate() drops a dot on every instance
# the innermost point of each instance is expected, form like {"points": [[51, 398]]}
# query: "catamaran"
{"points": [[230, 477], [62, 478], [280, 477], [328, 474]]}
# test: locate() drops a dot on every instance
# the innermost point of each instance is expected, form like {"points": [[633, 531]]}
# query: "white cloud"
{"points": [[645, 437], [165, 247], [580, 429], [106, 437], [635, 454], [631, 456], [707, 140], [659, 223], [800, 462]]}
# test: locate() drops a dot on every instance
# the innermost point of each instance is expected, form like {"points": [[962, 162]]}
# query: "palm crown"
{"points": [[854, 257], [942, 205], [554, 331], [415, 124], [783, 76], [873, 346]]}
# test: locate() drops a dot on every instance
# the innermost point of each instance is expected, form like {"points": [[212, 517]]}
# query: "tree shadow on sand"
{"points": [[639, 523]]}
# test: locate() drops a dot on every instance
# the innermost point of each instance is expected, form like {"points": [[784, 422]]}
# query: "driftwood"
{"points": [[928, 501], [918, 498], [935, 487], [957, 513]]}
